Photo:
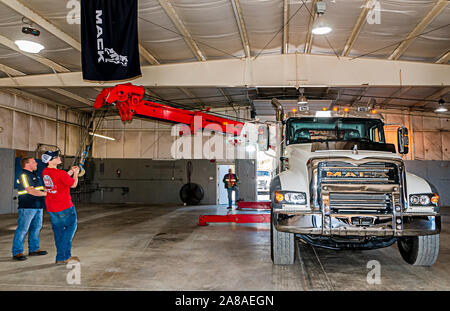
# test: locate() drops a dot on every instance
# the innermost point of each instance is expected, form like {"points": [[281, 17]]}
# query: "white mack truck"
{"points": [[341, 186]]}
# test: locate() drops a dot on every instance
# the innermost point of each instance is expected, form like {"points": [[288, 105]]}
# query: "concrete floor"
{"points": [[135, 247]]}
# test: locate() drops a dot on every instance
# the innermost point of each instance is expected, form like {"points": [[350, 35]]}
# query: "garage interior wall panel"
{"points": [[428, 135], [7, 204], [31, 125], [6, 131]]}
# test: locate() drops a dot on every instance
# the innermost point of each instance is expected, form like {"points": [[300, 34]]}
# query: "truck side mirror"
{"points": [[402, 140]]}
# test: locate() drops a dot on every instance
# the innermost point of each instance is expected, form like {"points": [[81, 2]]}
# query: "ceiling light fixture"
{"points": [[441, 107], [320, 27], [302, 100], [29, 46]]}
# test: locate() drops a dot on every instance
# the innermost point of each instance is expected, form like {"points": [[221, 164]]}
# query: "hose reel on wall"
{"points": [[191, 193]]}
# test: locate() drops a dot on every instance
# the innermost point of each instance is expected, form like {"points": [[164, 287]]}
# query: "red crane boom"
{"points": [[128, 99]]}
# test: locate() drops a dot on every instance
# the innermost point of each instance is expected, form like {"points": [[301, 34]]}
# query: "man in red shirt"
{"points": [[59, 204]]}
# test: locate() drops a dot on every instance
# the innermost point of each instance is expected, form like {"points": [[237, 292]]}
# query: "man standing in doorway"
{"points": [[231, 181], [31, 203], [59, 205]]}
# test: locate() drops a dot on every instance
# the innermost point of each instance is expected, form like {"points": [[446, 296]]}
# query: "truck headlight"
{"points": [[290, 197], [425, 199]]}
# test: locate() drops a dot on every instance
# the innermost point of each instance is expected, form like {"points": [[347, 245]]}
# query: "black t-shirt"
{"points": [[30, 179]]}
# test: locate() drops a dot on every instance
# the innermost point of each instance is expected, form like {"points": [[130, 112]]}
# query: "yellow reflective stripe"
{"points": [[39, 188], [22, 192], [24, 181]]}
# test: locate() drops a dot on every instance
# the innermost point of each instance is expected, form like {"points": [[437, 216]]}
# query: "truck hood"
{"points": [[304, 152]]}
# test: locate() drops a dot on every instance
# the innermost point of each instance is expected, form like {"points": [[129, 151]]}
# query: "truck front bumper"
{"points": [[382, 225]]}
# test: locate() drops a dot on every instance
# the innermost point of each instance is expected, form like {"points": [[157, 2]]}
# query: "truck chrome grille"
{"points": [[347, 202], [348, 188]]}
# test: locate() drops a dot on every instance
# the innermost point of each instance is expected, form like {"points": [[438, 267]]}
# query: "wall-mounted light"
{"points": [[101, 136], [441, 107]]}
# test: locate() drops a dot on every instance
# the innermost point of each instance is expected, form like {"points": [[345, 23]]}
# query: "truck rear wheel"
{"points": [[282, 246], [419, 250]]}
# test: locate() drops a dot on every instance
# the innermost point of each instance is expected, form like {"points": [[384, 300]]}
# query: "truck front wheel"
{"points": [[282, 246], [419, 250]]}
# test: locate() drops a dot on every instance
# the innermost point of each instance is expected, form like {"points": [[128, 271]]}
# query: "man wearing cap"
{"points": [[230, 180], [59, 205], [31, 202]]}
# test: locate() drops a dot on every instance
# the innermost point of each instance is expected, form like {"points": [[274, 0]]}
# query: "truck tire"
{"points": [[282, 246], [419, 250]]}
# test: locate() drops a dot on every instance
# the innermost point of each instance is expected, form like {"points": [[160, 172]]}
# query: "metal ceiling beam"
{"points": [[442, 92], [170, 11], [438, 7], [357, 28], [72, 96], [10, 71], [13, 72], [444, 58], [241, 26], [45, 24], [397, 93], [285, 47], [309, 36], [148, 56], [192, 96], [228, 98], [282, 70], [31, 96], [41, 59]]}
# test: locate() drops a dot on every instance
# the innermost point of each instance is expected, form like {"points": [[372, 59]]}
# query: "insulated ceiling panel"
{"points": [[263, 20], [435, 41], [341, 16], [212, 25], [397, 20]]}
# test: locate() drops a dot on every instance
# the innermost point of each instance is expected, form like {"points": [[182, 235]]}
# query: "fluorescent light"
{"points": [[101, 136], [29, 46], [321, 30]]}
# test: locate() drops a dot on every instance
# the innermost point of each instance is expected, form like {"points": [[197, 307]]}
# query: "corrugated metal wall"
{"points": [[148, 139]]}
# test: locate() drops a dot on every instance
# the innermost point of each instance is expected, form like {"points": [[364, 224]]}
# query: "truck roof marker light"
{"points": [[294, 110], [346, 109], [335, 109], [324, 109], [373, 111]]}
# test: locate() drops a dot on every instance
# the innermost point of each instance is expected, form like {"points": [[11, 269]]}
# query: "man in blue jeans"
{"points": [[230, 180], [31, 203], [59, 205]]}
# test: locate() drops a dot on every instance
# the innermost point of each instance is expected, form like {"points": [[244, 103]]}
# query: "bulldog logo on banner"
{"points": [[109, 40]]}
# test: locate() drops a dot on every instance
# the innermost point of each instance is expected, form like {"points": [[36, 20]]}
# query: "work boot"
{"points": [[38, 253], [20, 257], [72, 259]]}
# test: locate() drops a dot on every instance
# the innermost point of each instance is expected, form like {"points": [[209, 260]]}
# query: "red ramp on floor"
{"points": [[236, 218]]}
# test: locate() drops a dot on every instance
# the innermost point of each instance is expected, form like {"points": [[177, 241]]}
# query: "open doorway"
{"points": [[222, 194], [264, 173]]}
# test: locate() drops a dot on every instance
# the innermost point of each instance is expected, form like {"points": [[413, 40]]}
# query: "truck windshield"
{"points": [[311, 129]]}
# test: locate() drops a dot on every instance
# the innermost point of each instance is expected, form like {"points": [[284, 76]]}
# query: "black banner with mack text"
{"points": [[109, 40]]}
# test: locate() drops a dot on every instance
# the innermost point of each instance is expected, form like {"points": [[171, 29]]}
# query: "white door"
{"points": [[222, 194]]}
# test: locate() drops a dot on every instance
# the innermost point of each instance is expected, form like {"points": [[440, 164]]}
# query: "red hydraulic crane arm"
{"points": [[128, 99]]}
